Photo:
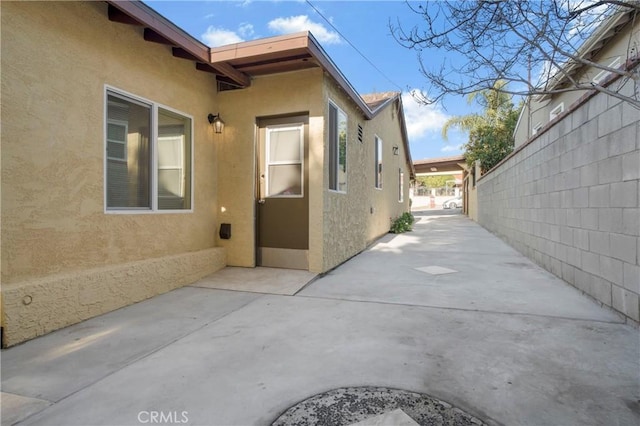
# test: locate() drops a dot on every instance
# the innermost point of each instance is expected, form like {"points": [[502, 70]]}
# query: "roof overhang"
{"points": [[158, 29], [440, 165], [236, 64], [590, 48], [291, 52]]}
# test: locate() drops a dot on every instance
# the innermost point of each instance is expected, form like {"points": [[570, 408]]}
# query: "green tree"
{"points": [[437, 181], [491, 132]]}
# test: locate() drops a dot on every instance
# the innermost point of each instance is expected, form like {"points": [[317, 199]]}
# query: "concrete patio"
{"points": [[447, 310]]}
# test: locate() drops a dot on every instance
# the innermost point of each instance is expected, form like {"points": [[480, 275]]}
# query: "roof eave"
{"points": [[149, 18], [617, 19], [327, 64]]}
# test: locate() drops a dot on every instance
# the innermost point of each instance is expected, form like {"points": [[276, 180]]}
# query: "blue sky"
{"points": [[363, 24]]}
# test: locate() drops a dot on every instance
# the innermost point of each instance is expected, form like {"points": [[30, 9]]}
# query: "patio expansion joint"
{"points": [[26, 396], [482, 311]]}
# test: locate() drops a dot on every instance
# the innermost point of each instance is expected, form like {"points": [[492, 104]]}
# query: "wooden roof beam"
{"points": [[179, 52], [117, 15], [138, 13], [152, 36]]}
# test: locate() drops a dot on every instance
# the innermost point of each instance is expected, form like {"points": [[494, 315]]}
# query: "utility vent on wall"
{"points": [[360, 132]]}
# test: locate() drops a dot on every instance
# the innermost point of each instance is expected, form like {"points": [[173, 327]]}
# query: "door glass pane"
{"points": [[285, 179], [128, 153], [284, 145], [284, 166]]}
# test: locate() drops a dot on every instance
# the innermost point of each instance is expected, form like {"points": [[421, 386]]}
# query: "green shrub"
{"points": [[402, 224]]}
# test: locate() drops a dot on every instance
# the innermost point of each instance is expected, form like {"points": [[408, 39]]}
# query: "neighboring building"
{"points": [[115, 185], [569, 195], [453, 166], [612, 44]]}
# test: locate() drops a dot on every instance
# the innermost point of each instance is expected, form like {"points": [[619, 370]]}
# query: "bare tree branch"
{"points": [[517, 41]]}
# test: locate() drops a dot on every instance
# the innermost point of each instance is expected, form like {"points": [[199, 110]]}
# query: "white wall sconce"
{"points": [[216, 122]]}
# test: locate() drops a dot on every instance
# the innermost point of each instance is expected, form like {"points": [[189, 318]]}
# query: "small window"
{"points": [[602, 75], [147, 166], [559, 109], [378, 162], [337, 149], [400, 186], [537, 128]]}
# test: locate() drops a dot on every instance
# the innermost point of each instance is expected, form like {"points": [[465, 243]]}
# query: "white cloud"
{"points": [[451, 148], [214, 37], [246, 30], [294, 24], [422, 119]]}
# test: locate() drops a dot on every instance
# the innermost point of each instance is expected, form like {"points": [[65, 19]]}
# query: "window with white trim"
{"points": [[556, 111], [400, 185], [602, 75], [537, 128], [148, 155], [378, 162], [337, 149]]}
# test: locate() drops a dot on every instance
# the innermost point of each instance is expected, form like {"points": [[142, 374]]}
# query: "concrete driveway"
{"points": [[447, 310]]}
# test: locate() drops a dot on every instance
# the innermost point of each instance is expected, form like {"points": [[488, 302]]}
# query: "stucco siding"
{"points": [[38, 306], [56, 60], [354, 219], [268, 96], [385, 202]]}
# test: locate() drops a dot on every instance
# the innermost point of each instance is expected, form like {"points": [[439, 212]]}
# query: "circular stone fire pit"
{"points": [[347, 406]]}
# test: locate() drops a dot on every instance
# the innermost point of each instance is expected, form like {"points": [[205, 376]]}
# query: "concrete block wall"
{"points": [[569, 200]]}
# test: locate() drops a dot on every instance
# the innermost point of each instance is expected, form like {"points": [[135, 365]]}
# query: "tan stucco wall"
{"points": [[56, 59], [36, 307], [340, 225], [268, 96], [362, 207]]}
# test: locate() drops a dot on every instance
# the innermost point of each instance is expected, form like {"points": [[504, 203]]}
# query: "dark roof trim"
{"points": [[441, 160], [164, 28], [160, 30], [403, 130]]}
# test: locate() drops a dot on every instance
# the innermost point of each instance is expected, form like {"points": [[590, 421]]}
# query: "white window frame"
{"points": [[378, 155], [268, 162], [556, 111], [536, 128], [598, 78], [400, 185], [153, 137], [182, 171], [337, 159]]}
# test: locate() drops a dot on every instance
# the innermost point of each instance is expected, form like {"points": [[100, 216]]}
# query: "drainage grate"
{"points": [[347, 406]]}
